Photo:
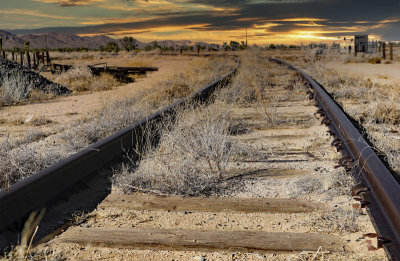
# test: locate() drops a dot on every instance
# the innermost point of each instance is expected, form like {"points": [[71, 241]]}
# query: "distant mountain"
{"points": [[10, 40], [66, 40], [53, 40]]}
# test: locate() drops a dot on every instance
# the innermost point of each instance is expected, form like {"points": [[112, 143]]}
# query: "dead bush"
{"points": [[190, 159], [14, 88]]}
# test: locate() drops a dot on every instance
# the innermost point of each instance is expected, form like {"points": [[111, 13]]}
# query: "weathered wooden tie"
{"points": [[180, 239], [173, 203]]}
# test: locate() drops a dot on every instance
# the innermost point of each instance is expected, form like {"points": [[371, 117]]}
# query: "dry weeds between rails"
{"points": [[21, 160], [195, 151]]}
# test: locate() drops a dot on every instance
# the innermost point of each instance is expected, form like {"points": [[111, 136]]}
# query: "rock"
{"points": [[28, 119], [34, 80]]}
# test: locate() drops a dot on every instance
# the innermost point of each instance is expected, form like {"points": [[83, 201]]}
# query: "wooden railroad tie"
{"points": [[174, 203], [182, 239]]}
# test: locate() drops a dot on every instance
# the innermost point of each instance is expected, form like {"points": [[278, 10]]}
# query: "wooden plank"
{"points": [[173, 203], [277, 173], [180, 239]]}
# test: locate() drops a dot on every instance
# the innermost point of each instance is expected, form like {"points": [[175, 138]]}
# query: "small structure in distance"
{"points": [[361, 43]]}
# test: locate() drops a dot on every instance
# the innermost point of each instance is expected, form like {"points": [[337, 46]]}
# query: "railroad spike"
{"points": [[382, 240], [326, 121], [358, 189], [371, 235], [346, 158], [364, 203], [348, 168], [335, 142]]}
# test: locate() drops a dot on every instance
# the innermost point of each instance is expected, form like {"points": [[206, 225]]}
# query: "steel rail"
{"points": [[378, 190], [43, 188]]}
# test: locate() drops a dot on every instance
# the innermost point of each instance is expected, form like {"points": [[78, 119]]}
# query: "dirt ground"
{"points": [[381, 73], [61, 112]]}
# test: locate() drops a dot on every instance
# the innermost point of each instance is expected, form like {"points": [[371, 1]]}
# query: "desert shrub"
{"points": [[14, 88], [192, 156]]}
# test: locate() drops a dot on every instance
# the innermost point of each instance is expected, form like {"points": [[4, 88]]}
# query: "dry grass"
{"points": [[19, 159], [191, 158], [23, 251], [80, 79], [14, 88]]}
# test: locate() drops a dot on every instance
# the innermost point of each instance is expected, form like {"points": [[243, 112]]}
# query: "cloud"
{"points": [[70, 2], [266, 20], [33, 13]]}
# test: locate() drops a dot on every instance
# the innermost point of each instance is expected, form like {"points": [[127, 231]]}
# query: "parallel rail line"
{"points": [[377, 189], [43, 189]]}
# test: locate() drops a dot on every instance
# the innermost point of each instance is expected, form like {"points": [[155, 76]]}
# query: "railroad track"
{"points": [[377, 189], [49, 188], [232, 223]]}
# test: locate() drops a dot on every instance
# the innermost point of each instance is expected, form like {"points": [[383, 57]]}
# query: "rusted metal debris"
{"points": [[122, 73]]}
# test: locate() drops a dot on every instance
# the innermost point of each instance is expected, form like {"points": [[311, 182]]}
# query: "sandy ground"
{"points": [[381, 73], [289, 157], [63, 111]]}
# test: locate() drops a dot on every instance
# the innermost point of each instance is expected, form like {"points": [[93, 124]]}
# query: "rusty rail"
{"points": [[43, 189], [377, 189]]}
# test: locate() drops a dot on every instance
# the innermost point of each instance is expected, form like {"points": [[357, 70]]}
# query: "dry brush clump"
{"points": [[191, 158], [202, 72], [81, 79]]}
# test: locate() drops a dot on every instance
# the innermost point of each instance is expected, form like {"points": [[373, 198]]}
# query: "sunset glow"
{"points": [[266, 21]]}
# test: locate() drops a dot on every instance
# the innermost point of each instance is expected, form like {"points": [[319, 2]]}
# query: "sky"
{"points": [[213, 21]]}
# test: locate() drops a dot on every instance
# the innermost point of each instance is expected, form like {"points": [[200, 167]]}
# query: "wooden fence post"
{"points": [[34, 60], [391, 51], [384, 50], [379, 47], [43, 58], [47, 58], [355, 50], [22, 58], [1, 44], [28, 58], [12, 55]]}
